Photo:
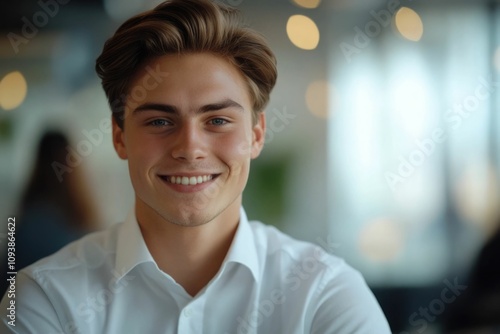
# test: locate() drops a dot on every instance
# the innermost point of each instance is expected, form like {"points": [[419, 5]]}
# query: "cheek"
{"points": [[144, 153], [241, 143], [235, 153], [236, 145]]}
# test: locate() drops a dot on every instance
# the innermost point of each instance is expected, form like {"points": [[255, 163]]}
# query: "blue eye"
{"points": [[218, 121], [159, 122]]}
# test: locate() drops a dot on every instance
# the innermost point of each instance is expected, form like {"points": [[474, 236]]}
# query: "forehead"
{"points": [[189, 79]]}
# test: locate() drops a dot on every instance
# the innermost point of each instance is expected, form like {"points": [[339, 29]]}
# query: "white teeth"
{"points": [[193, 180]]}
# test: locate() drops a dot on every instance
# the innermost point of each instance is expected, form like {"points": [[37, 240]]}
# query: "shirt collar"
{"points": [[131, 249], [243, 249]]}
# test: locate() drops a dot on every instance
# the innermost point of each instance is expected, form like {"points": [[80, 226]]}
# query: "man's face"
{"points": [[190, 138]]}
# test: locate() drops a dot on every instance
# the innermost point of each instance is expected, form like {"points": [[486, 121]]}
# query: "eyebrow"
{"points": [[228, 103]]}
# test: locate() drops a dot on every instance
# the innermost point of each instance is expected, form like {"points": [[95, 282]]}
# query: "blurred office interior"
{"points": [[383, 140]]}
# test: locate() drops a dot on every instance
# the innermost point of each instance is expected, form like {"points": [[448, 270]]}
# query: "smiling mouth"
{"points": [[189, 180]]}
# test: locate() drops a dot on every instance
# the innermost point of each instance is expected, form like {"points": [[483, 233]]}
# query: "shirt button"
{"points": [[188, 312]]}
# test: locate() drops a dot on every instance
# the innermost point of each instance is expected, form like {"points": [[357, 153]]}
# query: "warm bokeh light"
{"points": [[13, 89], [409, 24], [318, 96], [302, 32], [308, 3], [381, 240], [477, 197]]}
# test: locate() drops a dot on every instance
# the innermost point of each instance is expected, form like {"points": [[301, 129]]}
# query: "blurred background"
{"points": [[382, 141]]}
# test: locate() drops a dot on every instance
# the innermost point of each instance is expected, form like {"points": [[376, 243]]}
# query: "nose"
{"points": [[189, 143]]}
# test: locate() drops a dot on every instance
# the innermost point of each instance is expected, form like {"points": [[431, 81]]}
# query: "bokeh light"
{"points": [[381, 240], [318, 96], [308, 3], [13, 90], [409, 24], [477, 197], [302, 32]]}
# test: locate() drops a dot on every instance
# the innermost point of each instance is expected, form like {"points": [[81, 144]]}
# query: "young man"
{"points": [[187, 86]]}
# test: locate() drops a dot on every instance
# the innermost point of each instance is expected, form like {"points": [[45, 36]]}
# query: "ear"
{"points": [[258, 135], [118, 140]]}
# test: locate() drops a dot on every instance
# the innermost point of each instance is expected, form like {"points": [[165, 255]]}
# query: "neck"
{"points": [[192, 255]]}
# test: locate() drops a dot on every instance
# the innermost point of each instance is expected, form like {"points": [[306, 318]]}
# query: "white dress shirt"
{"points": [[108, 282]]}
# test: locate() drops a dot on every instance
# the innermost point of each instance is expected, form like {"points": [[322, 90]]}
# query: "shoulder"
{"points": [[303, 267], [332, 295], [275, 244], [54, 283]]}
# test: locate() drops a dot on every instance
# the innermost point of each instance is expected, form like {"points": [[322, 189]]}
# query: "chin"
{"points": [[189, 218]]}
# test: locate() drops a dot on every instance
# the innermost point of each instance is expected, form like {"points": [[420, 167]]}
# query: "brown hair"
{"points": [[185, 26]]}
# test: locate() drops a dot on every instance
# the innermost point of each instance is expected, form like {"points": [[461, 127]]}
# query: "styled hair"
{"points": [[182, 27]]}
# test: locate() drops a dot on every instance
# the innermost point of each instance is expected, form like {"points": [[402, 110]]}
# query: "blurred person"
{"points": [[477, 310], [52, 212], [188, 85]]}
